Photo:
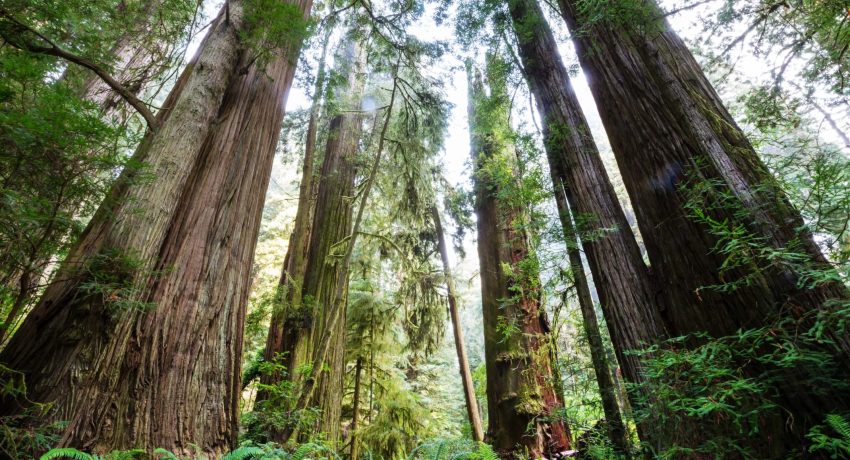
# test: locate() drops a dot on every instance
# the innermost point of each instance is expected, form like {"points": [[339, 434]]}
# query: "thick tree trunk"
{"points": [[139, 58], [521, 398], [332, 225], [120, 373], [672, 136], [620, 276], [332, 334], [279, 343], [460, 347], [598, 356], [307, 324]]}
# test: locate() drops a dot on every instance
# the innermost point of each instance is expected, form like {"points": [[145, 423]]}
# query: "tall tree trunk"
{"points": [[310, 321], [181, 245], [355, 440], [460, 347], [139, 58], [139, 55], [673, 140], [521, 398], [333, 332], [607, 391], [288, 300], [620, 276]]}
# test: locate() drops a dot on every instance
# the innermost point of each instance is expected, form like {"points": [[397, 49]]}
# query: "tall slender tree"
{"points": [[288, 298], [581, 183], [521, 396], [460, 347], [159, 279], [688, 168], [598, 355]]}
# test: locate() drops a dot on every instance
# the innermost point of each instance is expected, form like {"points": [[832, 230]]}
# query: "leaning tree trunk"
{"points": [[521, 397], [139, 57], [619, 274], [181, 245], [680, 151], [598, 356], [460, 347]]}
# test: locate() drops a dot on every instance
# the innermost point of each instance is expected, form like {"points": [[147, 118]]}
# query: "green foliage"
{"points": [[635, 16], [832, 438], [272, 25], [809, 35], [24, 435], [453, 449], [245, 453], [67, 452], [112, 278], [730, 385], [275, 413]]}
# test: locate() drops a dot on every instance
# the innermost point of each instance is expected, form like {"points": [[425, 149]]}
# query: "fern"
{"points": [[840, 425], [127, 454], [165, 454], [310, 448], [484, 452], [67, 452], [833, 438], [244, 453]]}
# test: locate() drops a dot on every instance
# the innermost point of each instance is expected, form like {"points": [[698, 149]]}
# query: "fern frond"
{"points": [[66, 452], [244, 453], [840, 425], [165, 454], [304, 450]]}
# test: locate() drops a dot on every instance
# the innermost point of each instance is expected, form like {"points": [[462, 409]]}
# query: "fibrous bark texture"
{"points": [[332, 224], [521, 396], [154, 362], [578, 174], [598, 355], [139, 56], [679, 150], [288, 301], [307, 323]]}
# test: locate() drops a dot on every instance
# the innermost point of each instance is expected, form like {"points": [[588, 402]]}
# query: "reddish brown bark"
{"points": [[622, 280], [139, 58], [168, 377], [280, 342], [521, 397], [671, 133], [598, 356]]}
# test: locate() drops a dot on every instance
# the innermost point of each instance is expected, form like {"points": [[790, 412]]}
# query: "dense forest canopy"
{"points": [[425, 229]]}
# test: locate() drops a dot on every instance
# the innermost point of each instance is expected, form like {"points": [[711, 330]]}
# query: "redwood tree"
{"points": [[693, 178], [306, 317], [521, 395], [137, 53], [144, 328], [581, 183]]}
